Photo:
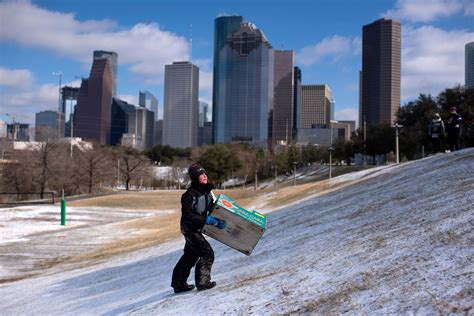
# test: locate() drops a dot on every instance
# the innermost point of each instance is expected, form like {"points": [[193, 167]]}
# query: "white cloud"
{"points": [[144, 48], [428, 10], [22, 97], [334, 47], [347, 114], [14, 78], [132, 99], [432, 59]]}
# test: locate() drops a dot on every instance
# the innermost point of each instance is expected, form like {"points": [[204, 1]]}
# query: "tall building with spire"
{"points": [[245, 75], [381, 69]]}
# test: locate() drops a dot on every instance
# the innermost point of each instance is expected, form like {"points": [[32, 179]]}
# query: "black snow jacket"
{"points": [[196, 203], [453, 125]]}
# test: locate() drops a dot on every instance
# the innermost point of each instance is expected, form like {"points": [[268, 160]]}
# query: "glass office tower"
{"points": [[245, 83], [223, 27]]}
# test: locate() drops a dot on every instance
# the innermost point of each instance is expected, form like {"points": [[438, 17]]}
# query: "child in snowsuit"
{"points": [[196, 203]]}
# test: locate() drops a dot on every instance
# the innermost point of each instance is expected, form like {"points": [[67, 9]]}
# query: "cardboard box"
{"points": [[243, 228]]}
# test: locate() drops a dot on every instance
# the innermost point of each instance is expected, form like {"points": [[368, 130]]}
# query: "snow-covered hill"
{"points": [[401, 240]]}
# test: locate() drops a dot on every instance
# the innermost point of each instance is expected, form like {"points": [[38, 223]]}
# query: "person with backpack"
{"points": [[436, 132], [453, 129], [196, 203]]}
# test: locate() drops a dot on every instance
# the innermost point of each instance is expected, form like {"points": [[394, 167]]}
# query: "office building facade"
{"points": [[18, 132], [112, 57], [245, 83], [180, 106], [317, 108], [147, 100], [92, 117], [296, 98], [469, 65], [381, 70], [223, 27], [283, 98], [49, 125], [69, 96], [203, 112]]}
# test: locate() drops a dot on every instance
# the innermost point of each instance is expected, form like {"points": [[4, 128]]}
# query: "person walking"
{"points": [[453, 129], [196, 203], [436, 132]]}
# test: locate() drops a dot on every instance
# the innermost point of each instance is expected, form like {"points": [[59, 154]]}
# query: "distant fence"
{"points": [[26, 198]]}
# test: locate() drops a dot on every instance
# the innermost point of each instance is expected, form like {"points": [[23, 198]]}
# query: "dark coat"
{"points": [[453, 125], [196, 203]]}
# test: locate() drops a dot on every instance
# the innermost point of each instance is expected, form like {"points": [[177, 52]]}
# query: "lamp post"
{"points": [[397, 151], [276, 171], [256, 179], [294, 172]]}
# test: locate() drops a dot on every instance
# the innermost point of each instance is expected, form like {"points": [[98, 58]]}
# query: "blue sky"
{"points": [[40, 37]]}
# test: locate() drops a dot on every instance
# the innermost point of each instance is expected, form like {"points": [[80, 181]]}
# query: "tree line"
{"points": [[49, 166]]}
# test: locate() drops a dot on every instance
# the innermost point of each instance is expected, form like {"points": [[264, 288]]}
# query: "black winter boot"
{"points": [[206, 286], [185, 288]]}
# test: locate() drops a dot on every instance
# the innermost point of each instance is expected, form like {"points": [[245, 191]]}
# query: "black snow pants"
{"points": [[197, 251]]}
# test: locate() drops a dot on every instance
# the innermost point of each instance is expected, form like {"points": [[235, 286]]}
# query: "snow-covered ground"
{"points": [[399, 240]]}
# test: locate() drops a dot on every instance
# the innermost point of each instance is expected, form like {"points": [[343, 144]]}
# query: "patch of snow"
{"points": [[398, 242]]}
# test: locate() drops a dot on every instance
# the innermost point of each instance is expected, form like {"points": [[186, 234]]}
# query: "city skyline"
{"points": [[62, 36]]}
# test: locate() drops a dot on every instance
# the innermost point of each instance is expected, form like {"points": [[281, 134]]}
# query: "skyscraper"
{"points": [[469, 65], [147, 100], [180, 113], [112, 57], [69, 97], [49, 125], [296, 99], [92, 117], [223, 27], [203, 110], [316, 106], [283, 97], [245, 88], [381, 67]]}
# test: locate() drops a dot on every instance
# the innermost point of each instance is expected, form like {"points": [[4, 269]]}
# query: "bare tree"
{"points": [[44, 154], [92, 165], [132, 165], [179, 170]]}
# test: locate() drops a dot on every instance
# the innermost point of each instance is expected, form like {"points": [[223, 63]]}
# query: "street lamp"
{"points": [[276, 171], [294, 172], [397, 151], [256, 179]]}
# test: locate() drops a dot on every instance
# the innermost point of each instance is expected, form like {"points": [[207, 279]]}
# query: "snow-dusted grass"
{"points": [[400, 241], [20, 223]]}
